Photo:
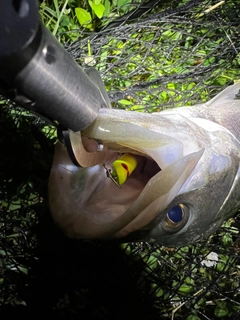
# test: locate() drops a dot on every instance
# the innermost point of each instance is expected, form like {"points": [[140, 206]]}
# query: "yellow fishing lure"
{"points": [[123, 167]]}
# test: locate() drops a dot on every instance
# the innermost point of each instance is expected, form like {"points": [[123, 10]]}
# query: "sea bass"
{"points": [[184, 185]]}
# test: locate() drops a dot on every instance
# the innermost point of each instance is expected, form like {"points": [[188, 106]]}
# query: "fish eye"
{"points": [[176, 218]]}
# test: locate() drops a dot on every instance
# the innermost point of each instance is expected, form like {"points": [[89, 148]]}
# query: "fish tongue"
{"points": [[157, 194]]}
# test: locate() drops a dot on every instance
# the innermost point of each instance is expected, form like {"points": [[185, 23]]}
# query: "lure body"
{"points": [[123, 167], [184, 185]]}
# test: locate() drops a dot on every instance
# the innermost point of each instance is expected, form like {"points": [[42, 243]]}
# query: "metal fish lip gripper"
{"points": [[38, 74]]}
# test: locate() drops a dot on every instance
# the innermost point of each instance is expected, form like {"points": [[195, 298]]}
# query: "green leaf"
{"points": [[98, 9], [107, 6], [221, 309], [32, 196], [23, 269], [65, 21], [83, 17], [14, 207], [171, 86], [193, 317], [125, 102], [49, 10], [152, 262], [184, 288], [121, 3], [159, 292], [164, 96], [188, 280]]}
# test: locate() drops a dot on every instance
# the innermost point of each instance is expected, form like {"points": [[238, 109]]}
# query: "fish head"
{"points": [[183, 188]]}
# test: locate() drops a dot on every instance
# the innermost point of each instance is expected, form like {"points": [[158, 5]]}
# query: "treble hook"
{"points": [[109, 175]]}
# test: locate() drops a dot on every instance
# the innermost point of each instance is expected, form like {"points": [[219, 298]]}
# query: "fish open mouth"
{"points": [[86, 203]]}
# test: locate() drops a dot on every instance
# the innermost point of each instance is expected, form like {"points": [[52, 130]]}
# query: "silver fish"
{"points": [[185, 185]]}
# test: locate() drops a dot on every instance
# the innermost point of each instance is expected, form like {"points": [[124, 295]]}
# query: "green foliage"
{"points": [[61, 16], [96, 13]]}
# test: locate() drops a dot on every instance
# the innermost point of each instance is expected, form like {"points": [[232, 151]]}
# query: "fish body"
{"points": [[185, 185]]}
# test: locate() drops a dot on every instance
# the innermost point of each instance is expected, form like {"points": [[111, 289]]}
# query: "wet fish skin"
{"points": [[197, 149]]}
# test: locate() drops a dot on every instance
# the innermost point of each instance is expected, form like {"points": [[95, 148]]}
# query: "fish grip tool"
{"points": [[38, 74]]}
